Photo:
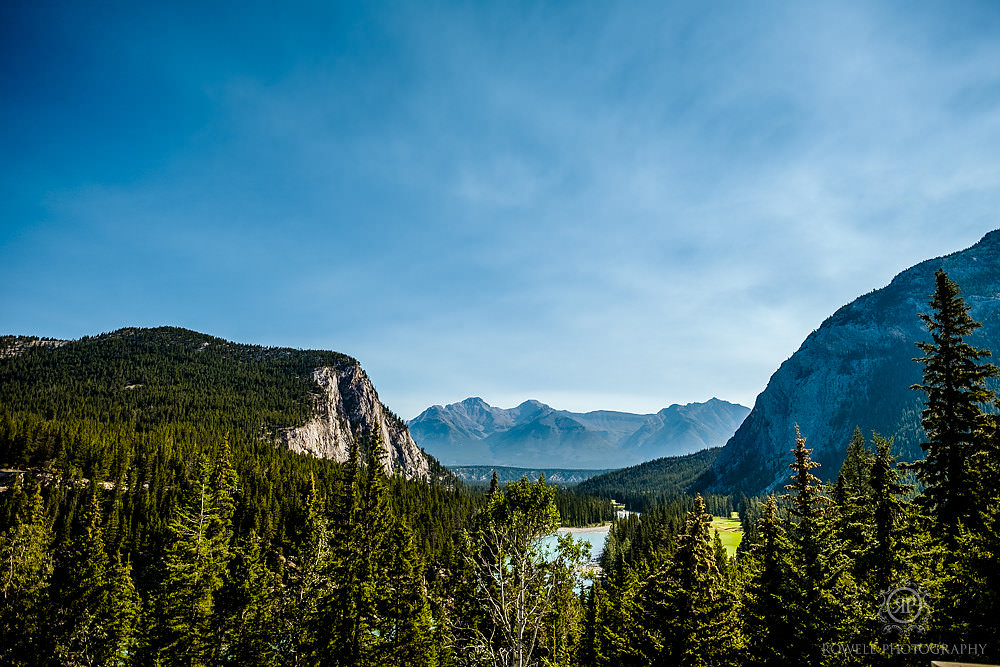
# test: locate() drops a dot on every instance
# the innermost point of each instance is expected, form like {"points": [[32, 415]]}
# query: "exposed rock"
{"points": [[856, 371], [347, 406], [11, 346]]}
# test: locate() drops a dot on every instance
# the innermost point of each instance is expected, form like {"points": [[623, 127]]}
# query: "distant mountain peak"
{"points": [[472, 432], [476, 401]]}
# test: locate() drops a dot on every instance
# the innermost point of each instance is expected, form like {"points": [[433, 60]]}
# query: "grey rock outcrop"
{"points": [[347, 406], [854, 371]]}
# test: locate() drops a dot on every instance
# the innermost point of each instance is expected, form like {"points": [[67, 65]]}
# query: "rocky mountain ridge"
{"points": [[483, 475], [856, 370], [532, 434]]}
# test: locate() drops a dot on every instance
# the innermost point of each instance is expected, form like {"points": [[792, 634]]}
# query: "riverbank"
{"points": [[595, 528]]}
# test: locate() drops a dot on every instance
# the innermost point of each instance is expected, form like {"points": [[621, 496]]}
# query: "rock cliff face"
{"points": [[856, 371], [346, 405]]}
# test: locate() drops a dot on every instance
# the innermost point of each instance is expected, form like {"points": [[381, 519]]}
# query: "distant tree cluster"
{"points": [[656, 482]]}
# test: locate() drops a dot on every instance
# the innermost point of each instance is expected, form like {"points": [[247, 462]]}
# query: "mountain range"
{"points": [[856, 370], [483, 475], [533, 434]]}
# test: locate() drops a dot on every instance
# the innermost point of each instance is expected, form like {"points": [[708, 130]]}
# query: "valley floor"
{"points": [[730, 532]]}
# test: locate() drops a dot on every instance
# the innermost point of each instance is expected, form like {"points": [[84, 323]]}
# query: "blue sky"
{"points": [[598, 205]]}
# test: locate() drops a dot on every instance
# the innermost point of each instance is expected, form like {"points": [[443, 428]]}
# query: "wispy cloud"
{"points": [[653, 202]]}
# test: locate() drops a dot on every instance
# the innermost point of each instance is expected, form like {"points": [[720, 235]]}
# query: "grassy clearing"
{"points": [[730, 533]]}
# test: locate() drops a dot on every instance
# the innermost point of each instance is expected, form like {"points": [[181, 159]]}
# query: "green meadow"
{"points": [[730, 532]]}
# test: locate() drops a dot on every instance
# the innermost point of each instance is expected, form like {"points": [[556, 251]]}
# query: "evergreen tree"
{"points": [[954, 380], [358, 579], [404, 625], [885, 558], [620, 612], [852, 497], [25, 569], [722, 560], [81, 602], [972, 598], [121, 612], [591, 652], [306, 585], [244, 608], [688, 612], [825, 602], [767, 616], [195, 563]]}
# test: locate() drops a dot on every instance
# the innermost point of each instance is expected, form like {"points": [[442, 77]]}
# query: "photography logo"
{"points": [[904, 609]]}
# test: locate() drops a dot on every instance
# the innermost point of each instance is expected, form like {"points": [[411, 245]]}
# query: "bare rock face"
{"points": [[347, 406], [855, 371], [12, 346]]}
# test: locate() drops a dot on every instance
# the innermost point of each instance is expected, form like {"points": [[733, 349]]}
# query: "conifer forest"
{"points": [[165, 528]]}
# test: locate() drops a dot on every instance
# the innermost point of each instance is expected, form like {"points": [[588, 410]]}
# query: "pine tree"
{"points": [[852, 497], [224, 484], [972, 596], [306, 585], [688, 612], [620, 612], [81, 637], [956, 427], [591, 653], [404, 626], [884, 561], [722, 560], [244, 608], [121, 611], [358, 580], [825, 602], [768, 597], [25, 569], [195, 563]]}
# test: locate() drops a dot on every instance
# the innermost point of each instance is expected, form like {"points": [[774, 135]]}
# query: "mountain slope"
{"points": [[855, 370], [533, 434], [652, 480], [686, 428], [155, 380]]}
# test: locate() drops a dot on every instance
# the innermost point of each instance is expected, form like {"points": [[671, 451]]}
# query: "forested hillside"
{"points": [[69, 400], [126, 541], [651, 482]]}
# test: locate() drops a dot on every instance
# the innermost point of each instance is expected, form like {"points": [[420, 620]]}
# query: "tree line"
{"points": [[182, 546]]}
